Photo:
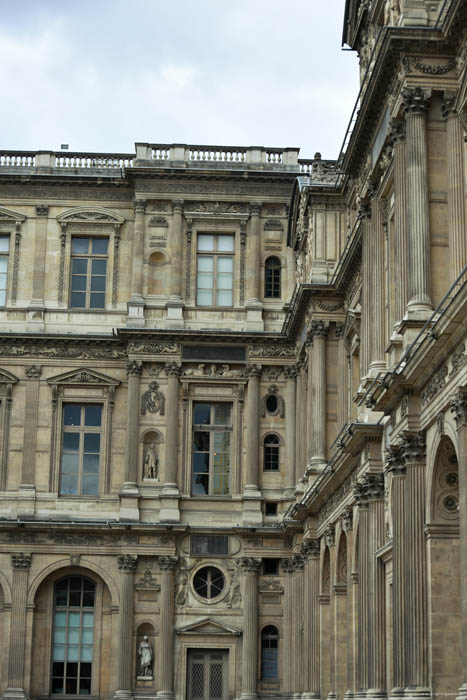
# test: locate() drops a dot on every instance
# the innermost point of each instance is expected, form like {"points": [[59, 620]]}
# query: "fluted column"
{"points": [[171, 431], [298, 612], [250, 568], [252, 430], [347, 526], [20, 564], [374, 485], [377, 308], [365, 217], [311, 550], [343, 378], [459, 409], [127, 566], [413, 453], [395, 467], [134, 369], [165, 657], [302, 422], [310, 427], [138, 252], [330, 539], [28, 466], [400, 218], [318, 388], [456, 188], [40, 244], [288, 569], [253, 256], [176, 252], [416, 102], [363, 592], [290, 424]]}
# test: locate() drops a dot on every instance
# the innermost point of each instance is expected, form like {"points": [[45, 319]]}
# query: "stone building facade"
{"points": [[233, 403]]}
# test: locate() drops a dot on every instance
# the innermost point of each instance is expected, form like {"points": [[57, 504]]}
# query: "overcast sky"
{"points": [[103, 74]]}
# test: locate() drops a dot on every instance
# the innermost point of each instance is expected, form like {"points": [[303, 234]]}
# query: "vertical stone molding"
{"points": [[250, 568], [176, 252], [165, 657], [459, 409], [319, 331], [364, 215], [298, 616], [134, 369], [416, 613], [362, 660], [456, 187], [127, 565], [290, 424], [20, 563], [28, 466], [288, 569], [396, 469], [253, 256], [397, 138], [40, 237], [302, 422], [138, 253], [377, 309], [172, 371], [311, 551], [252, 431], [416, 102]]}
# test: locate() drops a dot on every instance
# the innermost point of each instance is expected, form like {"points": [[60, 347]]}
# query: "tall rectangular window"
{"points": [[215, 270], [4, 251], [81, 449], [88, 272], [212, 433]]}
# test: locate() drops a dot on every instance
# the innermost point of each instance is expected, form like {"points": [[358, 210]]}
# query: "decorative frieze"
{"points": [[435, 385], [271, 351], [153, 348]]}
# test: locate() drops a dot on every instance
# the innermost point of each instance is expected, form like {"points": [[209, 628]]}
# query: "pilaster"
{"points": [[175, 302], [136, 304], [377, 308], [311, 551], [20, 563], [130, 493], [165, 658], [36, 305], [251, 493], [28, 466], [397, 136], [290, 426], [254, 306], [319, 332], [362, 660], [127, 566], [170, 492], [250, 568]]}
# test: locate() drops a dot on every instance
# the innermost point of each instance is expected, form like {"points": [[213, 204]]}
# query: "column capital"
{"points": [[139, 206], [250, 564], [172, 369], [396, 131], [287, 566], [33, 372], [253, 371], [167, 564], [374, 486], [330, 536], [340, 330], [311, 548], [42, 210], [413, 447], [360, 494], [415, 100], [347, 518], [459, 407], [134, 368], [127, 563], [448, 104], [394, 460], [363, 209], [177, 205], [255, 208], [318, 329], [291, 372], [20, 561]]}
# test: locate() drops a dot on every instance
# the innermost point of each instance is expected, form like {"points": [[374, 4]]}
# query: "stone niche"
{"points": [[145, 647]]}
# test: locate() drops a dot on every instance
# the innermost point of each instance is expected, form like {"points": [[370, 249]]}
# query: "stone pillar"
{"points": [[395, 467], [254, 305], [330, 539], [288, 569], [250, 569], [318, 395], [298, 614], [302, 422], [165, 657], [347, 526], [175, 302], [377, 307], [365, 216], [136, 303], [290, 425], [134, 369], [459, 409], [374, 486], [311, 551], [36, 305], [416, 613], [343, 378], [20, 564], [28, 467], [416, 102], [456, 188], [170, 491], [127, 566], [251, 493], [363, 592], [400, 217]]}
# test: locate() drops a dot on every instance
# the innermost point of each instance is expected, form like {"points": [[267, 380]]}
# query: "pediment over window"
{"points": [[84, 375], [207, 625], [10, 215], [90, 215], [7, 377]]}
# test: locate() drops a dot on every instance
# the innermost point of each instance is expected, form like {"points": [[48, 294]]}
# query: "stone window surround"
{"points": [[279, 446], [283, 268], [7, 380], [10, 224]]}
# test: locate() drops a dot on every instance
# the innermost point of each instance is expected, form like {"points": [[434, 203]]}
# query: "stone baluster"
{"points": [[363, 592], [290, 424], [456, 188], [28, 466], [134, 369], [40, 244], [319, 332], [416, 102], [365, 217], [138, 254], [250, 568], [395, 467], [127, 566], [377, 307], [397, 137], [374, 486], [459, 409], [176, 252], [20, 564], [311, 550], [252, 430], [413, 453], [165, 658]]}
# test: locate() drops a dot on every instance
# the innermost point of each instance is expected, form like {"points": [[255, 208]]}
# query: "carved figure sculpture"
{"points": [[181, 581], [151, 462], [145, 658], [235, 593]]}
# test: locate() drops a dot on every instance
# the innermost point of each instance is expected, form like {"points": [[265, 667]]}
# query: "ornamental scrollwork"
{"points": [[153, 400]]}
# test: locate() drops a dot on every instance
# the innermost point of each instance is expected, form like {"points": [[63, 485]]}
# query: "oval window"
{"points": [[271, 403], [209, 582]]}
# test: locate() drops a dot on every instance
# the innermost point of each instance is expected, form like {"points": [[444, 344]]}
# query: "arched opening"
{"points": [[269, 653], [157, 273], [444, 573], [271, 445], [272, 278]]}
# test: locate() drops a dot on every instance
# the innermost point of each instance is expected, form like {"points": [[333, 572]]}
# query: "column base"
{"points": [[349, 694], [123, 695], [165, 694], [252, 513], [375, 693], [462, 694], [396, 693], [35, 316], [129, 508], [248, 696], [310, 696], [254, 315], [417, 693], [14, 694]]}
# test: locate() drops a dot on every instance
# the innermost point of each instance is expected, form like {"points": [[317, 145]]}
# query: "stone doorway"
{"points": [[207, 674]]}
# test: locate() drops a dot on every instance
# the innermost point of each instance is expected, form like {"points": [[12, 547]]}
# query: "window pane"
{"points": [[71, 414], [73, 634], [224, 264], [225, 243], [86, 653], [75, 599], [70, 463], [204, 298], [222, 413], [58, 668], [71, 442], [78, 300], [72, 655], [3, 264], [58, 652], [100, 245], [74, 619], [99, 267], [2, 297], [221, 442], [202, 414], [78, 283], [92, 442], [93, 415], [200, 462], [86, 636], [4, 244], [205, 263], [200, 484], [205, 242], [79, 266], [97, 301], [98, 284], [201, 441], [88, 599], [90, 485], [60, 619], [205, 280], [224, 298], [88, 619], [224, 281], [69, 485], [90, 464], [79, 245]]}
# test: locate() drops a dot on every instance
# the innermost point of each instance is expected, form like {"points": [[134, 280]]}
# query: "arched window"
{"points": [[271, 453], [73, 636], [272, 278], [269, 653]]}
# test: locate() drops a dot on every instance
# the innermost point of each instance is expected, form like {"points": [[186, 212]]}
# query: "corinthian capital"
{"points": [[416, 100], [168, 564], [127, 562], [396, 131], [20, 561], [459, 407], [250, 564], [413, 448], [134, 368], [394, 460], [311, 548], [253, 371], [140, 206], [172, 369]]}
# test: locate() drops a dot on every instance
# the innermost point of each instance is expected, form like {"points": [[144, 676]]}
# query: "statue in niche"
{"points": [[153, 400], [150, 462], [146, 656]]}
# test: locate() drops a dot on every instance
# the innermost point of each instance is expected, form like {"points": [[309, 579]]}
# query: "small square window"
{"points": [[270, 567], [270, 508]]}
